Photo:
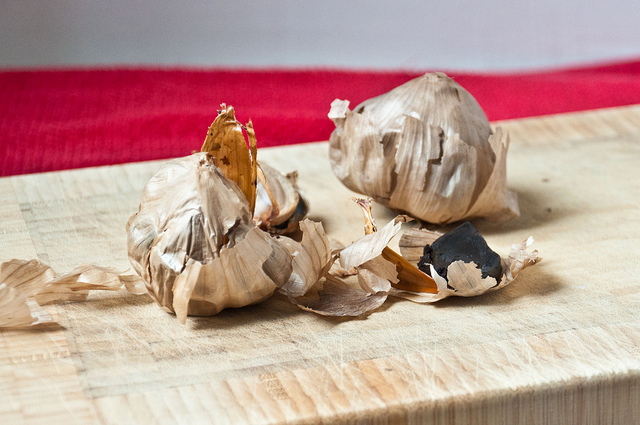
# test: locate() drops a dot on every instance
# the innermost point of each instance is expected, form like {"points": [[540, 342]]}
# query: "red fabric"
{"points": [[61, 119]]}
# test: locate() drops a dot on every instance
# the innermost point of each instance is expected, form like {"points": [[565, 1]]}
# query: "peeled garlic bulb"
{"points": [[425, 148]]}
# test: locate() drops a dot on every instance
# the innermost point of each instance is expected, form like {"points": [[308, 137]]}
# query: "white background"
{"points": [[452, 34]]}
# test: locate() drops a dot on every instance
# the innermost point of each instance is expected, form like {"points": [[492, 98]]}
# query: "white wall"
{"points": [[449, 34]]}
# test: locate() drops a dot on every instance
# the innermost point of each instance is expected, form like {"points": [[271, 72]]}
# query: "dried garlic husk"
{"points": [[194, 241], [462, 278], [425, 148], [409, 277], [357, 283], [25, 286], [358, 278]]}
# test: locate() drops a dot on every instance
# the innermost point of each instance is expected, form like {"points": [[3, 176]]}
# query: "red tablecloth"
{"points": [[61, 119]]}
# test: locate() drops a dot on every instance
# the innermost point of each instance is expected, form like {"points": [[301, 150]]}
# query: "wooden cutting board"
{"points": [[560, 345]]}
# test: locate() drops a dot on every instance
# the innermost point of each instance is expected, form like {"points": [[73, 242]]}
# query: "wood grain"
{"points": [[560, 345]]}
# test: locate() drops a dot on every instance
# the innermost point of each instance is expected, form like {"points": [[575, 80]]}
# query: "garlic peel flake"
{"points": [[311, 258], [25, 286], [407, 276], [318, 282], [334, 297], [356, 284]]}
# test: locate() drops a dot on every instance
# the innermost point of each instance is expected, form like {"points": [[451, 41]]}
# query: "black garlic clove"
{"points": [[463, 243]]}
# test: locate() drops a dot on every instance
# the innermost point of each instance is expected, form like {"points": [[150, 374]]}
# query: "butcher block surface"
{"points": [[560, 345]]}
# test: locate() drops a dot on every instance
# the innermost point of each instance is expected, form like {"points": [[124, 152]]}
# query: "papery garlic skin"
{"points": [[26, 286], [356, 284], [425, 148], [192, 221]]}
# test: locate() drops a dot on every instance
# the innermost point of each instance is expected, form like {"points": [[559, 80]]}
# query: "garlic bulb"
{"points": [[194, 242], [425, 148], [199, 242]]}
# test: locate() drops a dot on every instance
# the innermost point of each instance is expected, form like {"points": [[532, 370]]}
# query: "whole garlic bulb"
{"points": [[194, 241], [425, 148]]}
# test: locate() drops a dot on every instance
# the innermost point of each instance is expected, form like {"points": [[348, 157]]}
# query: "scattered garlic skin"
{"points": [[425, 148]]}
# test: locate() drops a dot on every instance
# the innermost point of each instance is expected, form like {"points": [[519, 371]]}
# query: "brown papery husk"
{"points": [[425, 148], [333, 296], [273, 198], [232, 279], [311, 258], [463, 279], [25, 286], [359, 282], [408, 276], [315, 285]]}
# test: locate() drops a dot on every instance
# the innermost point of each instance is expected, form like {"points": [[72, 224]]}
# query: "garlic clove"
{"points": [[464, 279], [273, 198], [425, 148], [462, 243], [280, 206], [284, 194], [226, 145]]}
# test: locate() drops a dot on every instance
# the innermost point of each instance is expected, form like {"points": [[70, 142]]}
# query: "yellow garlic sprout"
{"points": [[425, 148]]}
